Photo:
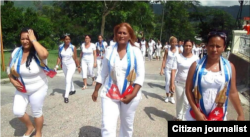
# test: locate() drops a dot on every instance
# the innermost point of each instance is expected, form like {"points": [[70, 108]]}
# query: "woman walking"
{"points": [[181, 64], [158, 50], [100, 51], [88, 61], [122, 75], [67, 56]]}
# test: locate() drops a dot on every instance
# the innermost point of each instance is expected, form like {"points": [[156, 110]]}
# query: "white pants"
{"points": [[87, 69], [167, 77], [110, 113], [36, 100], [158, 52], [99, 63], [143, 54], [150, 53], [69, 71], [182, 103]]}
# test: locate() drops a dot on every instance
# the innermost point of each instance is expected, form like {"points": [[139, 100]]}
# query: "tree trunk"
{"points": [[103, 25]]}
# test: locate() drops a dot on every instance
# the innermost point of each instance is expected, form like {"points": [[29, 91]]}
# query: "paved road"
{"points": [[82, 117]]}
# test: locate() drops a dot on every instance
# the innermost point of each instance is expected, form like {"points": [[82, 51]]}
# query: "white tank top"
{"points": [[210, 84], [171, 57]]}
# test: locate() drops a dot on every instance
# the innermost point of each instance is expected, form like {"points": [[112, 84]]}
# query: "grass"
{"points": [[52, 58]]}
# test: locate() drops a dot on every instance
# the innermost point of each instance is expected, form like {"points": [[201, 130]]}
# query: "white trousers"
{"points": [[182, 103], [69, 71], [143, 54], [110, 113], [99, 63], [87, 69], [167, 77], [150, 53], [36, 100], [158, 52]]}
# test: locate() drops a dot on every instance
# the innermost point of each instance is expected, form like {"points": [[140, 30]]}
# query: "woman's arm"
{"points": [[75, 58], [164, 61], [234, 96], [41, 51], [94, 54]]}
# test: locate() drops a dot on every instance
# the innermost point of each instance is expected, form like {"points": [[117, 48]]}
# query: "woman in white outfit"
{"points": [[151, 45], [137, 43], [158, 50], [143, 47], [167, 64], [26, 73], [210, 82], [124, 71], [88, 60], [177, 83], [67, 56], [100, 51]]}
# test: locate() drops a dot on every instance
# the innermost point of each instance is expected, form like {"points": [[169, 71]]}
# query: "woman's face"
{"points": [[188, 47], [87, 39], [122, 35], [25, 41], [100, 38], [215, 47], [67, 40], [173, 42]]}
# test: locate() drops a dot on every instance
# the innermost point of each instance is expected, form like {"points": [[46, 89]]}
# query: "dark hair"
{"points": [[64, 36], [87, 35], [100, 35], [188, 40], [220, 34], [32, 50]]}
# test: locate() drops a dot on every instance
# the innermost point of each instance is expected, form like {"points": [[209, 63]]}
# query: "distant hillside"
{"points": [[233, 10]]}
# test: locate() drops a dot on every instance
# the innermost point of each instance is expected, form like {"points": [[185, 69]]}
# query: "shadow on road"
{"points": [[154, 111], [89, 131], [60, 91], [153, 95], [156, 85], [19, 127], [79, 83]]}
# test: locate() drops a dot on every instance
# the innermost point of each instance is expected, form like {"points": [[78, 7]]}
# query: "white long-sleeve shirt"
{"points": [[120, 67]]}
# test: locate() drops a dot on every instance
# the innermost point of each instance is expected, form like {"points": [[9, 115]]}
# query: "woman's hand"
{"points": [[240, 118], [79, 70], [17, 85], [94, 96], [31, 35], [128, 98], [95, 65], [172, 87], [200, 116], [161, 73]]}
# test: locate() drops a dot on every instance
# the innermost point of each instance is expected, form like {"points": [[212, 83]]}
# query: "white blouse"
{"points": [[87, 53], [120, 67]]}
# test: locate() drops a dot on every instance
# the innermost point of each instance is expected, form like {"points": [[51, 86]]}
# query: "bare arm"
{"points": [[234, 96], [75, 58], [164, 60]]}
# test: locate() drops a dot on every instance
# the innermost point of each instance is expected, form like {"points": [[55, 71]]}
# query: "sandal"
{"points": [[84, 87], [30, 133]]}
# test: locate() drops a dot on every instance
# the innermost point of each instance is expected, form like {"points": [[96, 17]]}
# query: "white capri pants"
{"points": [[110, 113], [69, 71], [143, 51], [167, 77], [36, 100], [150, 53], [98, 63], [87, 69], [182, 103], [158, 52]]}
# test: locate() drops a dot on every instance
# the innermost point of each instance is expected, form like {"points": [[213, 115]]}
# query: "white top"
{"points": [[67, 55], [182, 64], [171, 57], [166, 47], [151, 45], [137, 44], [120, 67], [210, 84], [87, 53], [143, 45], [158, 46], [98, 47], [33, 77], [111, 43]]}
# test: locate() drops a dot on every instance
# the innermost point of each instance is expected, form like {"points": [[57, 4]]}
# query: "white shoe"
{"points": [[171, 99], [30, 133], [166, 100]]}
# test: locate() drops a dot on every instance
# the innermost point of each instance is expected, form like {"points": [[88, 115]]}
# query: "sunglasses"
{"points": [[217, 33]]}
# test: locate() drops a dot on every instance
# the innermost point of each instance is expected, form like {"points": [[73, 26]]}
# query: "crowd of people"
{"points": [[197, 74]]}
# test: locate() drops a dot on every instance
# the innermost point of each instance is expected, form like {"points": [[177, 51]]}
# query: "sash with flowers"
{"points": [[219, 107], [112, 89], [61, 48], [100, 48], [15, 67]]}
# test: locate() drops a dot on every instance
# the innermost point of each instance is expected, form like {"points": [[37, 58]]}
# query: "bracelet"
{"points": [[32, 41], [78, 67], [56, 66]]}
